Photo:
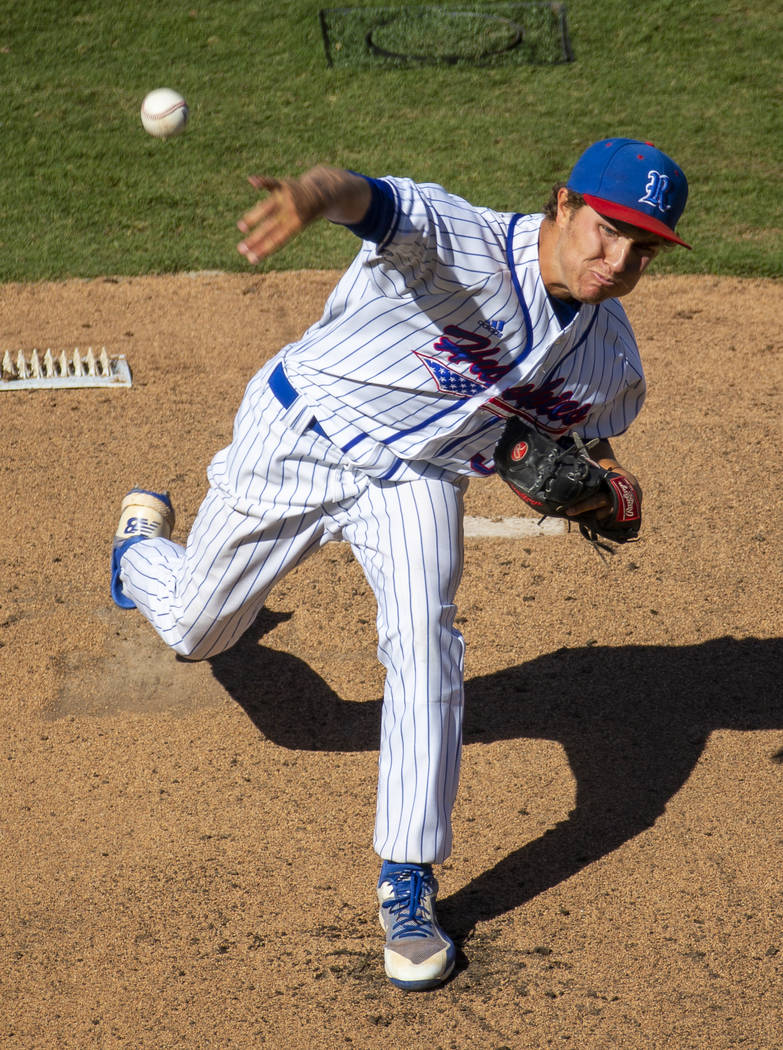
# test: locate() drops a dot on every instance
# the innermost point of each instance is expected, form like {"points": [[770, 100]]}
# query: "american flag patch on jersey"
{"points": [[451, 382]]}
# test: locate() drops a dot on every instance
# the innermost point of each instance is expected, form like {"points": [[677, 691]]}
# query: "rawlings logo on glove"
{"points": [[551, 479]]}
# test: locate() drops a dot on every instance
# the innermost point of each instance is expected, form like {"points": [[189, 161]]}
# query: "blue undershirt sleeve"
{"points": [[380, 215]]}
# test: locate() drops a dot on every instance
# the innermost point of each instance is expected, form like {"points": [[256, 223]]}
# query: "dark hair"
{"points": [[574, 201]]}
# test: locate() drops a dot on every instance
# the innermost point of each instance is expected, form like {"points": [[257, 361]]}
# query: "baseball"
{"points": [[164, 113]]}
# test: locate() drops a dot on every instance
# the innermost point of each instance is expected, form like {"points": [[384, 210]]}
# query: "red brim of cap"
{"points": [[633, 218]]}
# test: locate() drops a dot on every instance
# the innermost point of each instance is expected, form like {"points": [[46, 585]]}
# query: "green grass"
{"points": [[499, 32], [84, 191]]}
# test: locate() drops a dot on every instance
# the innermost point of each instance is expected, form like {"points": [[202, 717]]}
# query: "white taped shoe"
{"points": [[145, 514]]}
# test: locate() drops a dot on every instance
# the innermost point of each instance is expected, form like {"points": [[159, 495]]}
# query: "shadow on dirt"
{"points": [[632, 720]]}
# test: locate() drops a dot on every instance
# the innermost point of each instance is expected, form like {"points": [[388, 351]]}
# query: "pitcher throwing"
{"points": [[451, 320]]}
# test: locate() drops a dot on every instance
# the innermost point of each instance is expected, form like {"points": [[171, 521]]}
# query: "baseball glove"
{"points": [[551, 478]]}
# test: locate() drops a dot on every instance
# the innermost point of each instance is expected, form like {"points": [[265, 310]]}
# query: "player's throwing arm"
{"points": [[293, 204]]}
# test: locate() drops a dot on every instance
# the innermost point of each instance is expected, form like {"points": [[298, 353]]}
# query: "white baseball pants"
{"points": [[278, 493]]}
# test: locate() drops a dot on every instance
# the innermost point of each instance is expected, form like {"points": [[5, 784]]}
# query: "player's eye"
{"points": [[647, 250]]}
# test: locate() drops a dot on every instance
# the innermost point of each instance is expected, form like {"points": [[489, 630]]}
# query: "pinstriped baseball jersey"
{"points": [[436, 334]]}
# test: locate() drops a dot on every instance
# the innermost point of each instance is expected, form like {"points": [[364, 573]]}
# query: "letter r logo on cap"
{"points": [[655, 191]]}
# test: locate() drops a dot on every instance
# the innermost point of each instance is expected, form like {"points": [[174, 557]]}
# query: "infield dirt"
{"points": [[186, 857]]}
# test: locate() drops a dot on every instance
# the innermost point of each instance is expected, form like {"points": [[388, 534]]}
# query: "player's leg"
{"points": [[262, 515], [409, 542], [202, 597]]}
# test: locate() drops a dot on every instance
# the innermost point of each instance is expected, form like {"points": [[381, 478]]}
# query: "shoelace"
{"points": [[410, 917]]}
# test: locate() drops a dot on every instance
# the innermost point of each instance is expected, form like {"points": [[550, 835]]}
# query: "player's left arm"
{"points": [[292, 204], [603, 454]]}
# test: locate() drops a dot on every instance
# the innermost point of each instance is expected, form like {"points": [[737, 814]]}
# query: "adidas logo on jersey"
{"points": [[496, 327]]}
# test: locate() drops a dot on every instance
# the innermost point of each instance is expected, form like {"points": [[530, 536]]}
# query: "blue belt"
{"points": [[286, 395]]}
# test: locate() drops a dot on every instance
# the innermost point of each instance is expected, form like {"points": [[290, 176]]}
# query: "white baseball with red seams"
{"points": [[164, 113]]}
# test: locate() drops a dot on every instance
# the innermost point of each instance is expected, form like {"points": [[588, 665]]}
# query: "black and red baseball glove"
{"points": [[551, 479]]}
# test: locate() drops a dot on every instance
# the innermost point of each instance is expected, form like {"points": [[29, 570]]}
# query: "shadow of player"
{"points": [[632, 721]]}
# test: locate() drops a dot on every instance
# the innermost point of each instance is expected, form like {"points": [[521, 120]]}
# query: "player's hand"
{"points": [[597, 503], [292, 204], [601, 503], [273, 221]]}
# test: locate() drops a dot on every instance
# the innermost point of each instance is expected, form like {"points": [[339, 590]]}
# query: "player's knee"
{"points": [[422, 641]]}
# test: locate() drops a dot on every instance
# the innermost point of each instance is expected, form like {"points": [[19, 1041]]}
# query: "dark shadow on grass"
{"points": [[632, 720]]}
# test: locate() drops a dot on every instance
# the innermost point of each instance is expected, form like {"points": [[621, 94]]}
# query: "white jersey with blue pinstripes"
{"points": [[435, 335]]}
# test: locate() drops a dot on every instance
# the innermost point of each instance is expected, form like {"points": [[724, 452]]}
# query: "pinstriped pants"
{"points": [[278, 493]]}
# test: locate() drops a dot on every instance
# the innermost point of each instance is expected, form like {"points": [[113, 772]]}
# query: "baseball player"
{"points": [[451, 320]]}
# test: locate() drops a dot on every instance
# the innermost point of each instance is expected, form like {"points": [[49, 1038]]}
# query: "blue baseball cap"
{"points": [[633, 182]]}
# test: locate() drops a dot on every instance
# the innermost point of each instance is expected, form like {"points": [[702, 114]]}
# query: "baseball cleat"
{"points": [[143, 516], [418, 953]]}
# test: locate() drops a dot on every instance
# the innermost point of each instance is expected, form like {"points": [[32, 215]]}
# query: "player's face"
{"points": [[595, 258]]}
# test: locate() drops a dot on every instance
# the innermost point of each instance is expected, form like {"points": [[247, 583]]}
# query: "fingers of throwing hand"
{"points": [[268, 226], [259, 212], [264, 182]]}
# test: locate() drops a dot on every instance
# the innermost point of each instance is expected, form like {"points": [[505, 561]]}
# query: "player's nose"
{"points": [[618, 254]]}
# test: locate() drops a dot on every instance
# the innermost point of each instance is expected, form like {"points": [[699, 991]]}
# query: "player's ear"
{"points": [[564, 209]]}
